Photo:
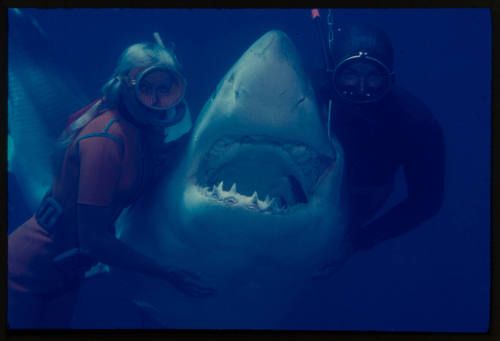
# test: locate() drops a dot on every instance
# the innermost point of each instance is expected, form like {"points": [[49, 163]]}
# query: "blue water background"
{"points": [[435, 278]]}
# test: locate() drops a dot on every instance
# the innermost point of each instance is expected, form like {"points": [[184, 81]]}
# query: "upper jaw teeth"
{"points": [[300, 160], [232, 197]]}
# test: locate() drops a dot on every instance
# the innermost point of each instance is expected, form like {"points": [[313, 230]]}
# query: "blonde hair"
{"points": [[140, 55]]}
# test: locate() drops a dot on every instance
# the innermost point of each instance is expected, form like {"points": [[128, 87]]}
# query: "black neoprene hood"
{"points": [[351, 40], [366, 44]]}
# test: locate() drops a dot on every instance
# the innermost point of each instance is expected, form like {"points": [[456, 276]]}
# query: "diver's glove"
{"points": [[189, 283]]}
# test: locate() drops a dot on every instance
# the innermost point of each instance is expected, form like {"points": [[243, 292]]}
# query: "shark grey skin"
{"points": [[254, 205]]}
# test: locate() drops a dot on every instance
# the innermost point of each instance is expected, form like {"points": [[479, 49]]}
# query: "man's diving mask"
{"points": [[362, 79], [158, 89]]}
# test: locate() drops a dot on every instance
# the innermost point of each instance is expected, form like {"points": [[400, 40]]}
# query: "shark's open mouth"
{"points": [[261, 173]]}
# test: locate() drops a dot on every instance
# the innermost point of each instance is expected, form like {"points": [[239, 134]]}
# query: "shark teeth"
{"points": [[233, 189], [215, 192], [303, 162], [233, 198], [219, 188], [255, 198]]}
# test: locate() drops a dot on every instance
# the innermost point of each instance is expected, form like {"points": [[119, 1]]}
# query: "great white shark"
{"points": [[254, 205]]}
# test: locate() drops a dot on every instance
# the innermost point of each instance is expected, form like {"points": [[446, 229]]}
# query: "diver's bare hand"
{"points": [[189, 283]]}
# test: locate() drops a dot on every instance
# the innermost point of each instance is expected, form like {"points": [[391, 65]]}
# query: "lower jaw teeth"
{"points": [[230, 201], [233, 198]]}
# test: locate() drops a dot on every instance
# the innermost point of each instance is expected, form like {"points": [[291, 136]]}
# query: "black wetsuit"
{"points": [[399, 131]]}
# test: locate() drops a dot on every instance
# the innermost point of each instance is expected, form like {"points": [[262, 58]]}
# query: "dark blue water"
{"points": [[436, 278]]}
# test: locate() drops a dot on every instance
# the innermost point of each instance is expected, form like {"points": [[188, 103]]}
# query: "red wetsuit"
{"points": [[104, 166]]}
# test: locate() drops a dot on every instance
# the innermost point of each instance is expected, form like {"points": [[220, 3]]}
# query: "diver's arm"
{"points": [[424, 172], [96, 237], [100, 169]]}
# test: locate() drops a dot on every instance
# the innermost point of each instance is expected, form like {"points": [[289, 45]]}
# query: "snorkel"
{"points": [[158, 40], [324, 49], [326, 55]]}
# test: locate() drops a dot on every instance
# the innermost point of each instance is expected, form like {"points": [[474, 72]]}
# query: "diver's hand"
{"points": [[189, 283], [338, 260]]}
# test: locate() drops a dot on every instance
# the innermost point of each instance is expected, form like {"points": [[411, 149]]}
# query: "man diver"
{"points": [[380, 127]]}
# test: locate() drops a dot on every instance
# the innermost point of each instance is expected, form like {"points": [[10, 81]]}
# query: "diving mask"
{"points": [[362, 79], [158, 89]]}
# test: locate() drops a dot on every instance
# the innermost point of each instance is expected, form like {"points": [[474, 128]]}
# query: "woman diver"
{"points": [[108, 155]]}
